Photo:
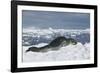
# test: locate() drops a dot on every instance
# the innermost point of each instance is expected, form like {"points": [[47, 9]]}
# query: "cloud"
{"points": [[45, 19]]}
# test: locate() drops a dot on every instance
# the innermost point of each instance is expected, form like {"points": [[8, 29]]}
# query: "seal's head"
{"points": [[35, 49], [72, 41]]}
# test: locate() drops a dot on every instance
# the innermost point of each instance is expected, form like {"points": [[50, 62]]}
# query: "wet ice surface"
{"points": [[70, 52]]}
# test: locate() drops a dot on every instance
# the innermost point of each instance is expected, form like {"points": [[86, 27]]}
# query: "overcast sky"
{"points": [[56, 20]]}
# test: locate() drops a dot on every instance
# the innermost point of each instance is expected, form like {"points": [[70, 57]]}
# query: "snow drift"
{"points": [[70, 52]]}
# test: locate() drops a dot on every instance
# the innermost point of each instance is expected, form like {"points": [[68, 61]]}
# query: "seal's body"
{"points": [[56, 44]]}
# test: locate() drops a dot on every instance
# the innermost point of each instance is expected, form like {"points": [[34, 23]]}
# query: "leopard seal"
{"points": [[54, 45]]}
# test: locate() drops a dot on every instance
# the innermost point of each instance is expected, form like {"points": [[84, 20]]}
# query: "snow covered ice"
{"points": [[70, 52]]}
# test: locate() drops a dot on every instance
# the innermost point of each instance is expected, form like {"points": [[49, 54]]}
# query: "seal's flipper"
{"points": [[27, 50]]}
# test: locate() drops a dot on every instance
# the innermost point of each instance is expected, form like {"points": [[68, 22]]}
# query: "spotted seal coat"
{"points": [[54, 45]]}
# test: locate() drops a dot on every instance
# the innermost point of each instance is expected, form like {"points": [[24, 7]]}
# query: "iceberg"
{"points": [[35, 36]]}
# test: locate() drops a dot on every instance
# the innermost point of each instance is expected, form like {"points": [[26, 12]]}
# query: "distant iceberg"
{"points": [[33, 36]]}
